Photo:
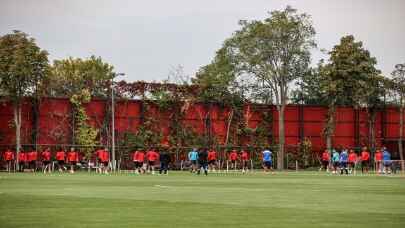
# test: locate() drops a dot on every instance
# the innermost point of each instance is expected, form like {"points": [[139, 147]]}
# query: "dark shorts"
{"points": [[151, 163], [233, 161], [72, 162], [46, 162], [105, 164], [387, 163], [351, 164], [194, 162], [343, 164], [325, 163], [61, 162], [245, 163], [33, 163], [138, 164], [335, 164], [212, 162], [267, 164], [364, 163]]}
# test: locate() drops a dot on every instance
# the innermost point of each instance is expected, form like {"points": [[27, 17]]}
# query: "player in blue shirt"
{"points": [[335, 160], [267, 160], [343, 158], [387, 161], [193, 157]]}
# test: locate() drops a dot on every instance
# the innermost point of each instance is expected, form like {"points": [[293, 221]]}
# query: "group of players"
{"points": [[347, 160], [144, 161]]}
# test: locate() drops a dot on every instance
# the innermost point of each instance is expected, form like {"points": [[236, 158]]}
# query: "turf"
{"points": [[306, 199]]}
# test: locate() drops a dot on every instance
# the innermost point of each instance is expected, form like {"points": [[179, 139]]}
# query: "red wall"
{"points": [[55, 126]]}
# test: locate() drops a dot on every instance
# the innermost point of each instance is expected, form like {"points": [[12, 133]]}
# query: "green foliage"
{"points": [[70, 76], [84, 133], [23, 66]]}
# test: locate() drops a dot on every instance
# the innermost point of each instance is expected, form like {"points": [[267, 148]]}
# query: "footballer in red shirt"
{"points": [[152, 156], [46, 159], [233, 157], [138, 158], [212, 159], [245, 160], [60, 158], [352, 161], [32, 158], [22, 160], [103, 158], [365, 160], [8, 157], [325, 160], [72, 158]]}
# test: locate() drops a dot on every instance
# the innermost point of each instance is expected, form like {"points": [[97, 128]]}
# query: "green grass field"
{"points": [[305, 199]]}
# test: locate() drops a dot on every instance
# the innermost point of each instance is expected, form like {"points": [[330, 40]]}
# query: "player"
{"points": [[245, 160], [152, 157], [138, 158], [193, 157], [8, 157], [365, 160], [164, 161], [212, 160], [60, 158], [343, 158], [352, 161], [378, 161], [46, 160], [105, 158], [22, 160], [203, 161], [233, 157], [335, 161], [267, 160], [72, 158], [32, 158], [325, 160], [387, 161]]}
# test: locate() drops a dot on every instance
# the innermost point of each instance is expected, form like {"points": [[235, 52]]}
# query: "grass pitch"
{"points": [[306, 199]]}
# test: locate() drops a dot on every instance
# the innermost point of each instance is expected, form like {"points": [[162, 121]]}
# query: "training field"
{"points": [[304, 199]]}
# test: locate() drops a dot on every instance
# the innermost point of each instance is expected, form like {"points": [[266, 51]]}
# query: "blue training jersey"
{"points": [[335, 157], [386, 156], [193, 155], [344, 156], [267, 156]]}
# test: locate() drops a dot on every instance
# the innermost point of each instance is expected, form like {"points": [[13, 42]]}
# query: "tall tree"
{"points": [[349, 78], [399, 87], [23, 68], [275, 52]]}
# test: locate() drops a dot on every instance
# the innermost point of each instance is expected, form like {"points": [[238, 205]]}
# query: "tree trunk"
{"points": [[372, 129], [330, 128], [281, 137], [401, 134], [17, 122]]}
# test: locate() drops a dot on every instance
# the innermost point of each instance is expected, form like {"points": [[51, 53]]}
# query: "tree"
{"points": [[23, 69], [349, 78], [309, 89], [399, 88], [80, 79], [275, 52]]}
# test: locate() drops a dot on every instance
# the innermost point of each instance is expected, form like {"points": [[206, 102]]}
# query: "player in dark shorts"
{"points": [[46, 160], [365, 160], [203, 161], [245, 160], [325, 160], [60, 158], [138, 158], [233, 157], [212, 159]]}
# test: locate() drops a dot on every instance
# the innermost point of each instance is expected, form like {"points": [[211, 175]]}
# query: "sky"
{"points": [[147, 40]]}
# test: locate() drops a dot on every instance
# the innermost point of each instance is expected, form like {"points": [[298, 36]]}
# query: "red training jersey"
{"points": [[325, 156], [8, 155], [60, 155], [22, 157], [138, 156], [365, 156], [233, 156], [46, 155], [105, 156], [152, 155], [212, 155], [378, 156], [73, 156], [32, 156], [245, 156], [352, 157]]}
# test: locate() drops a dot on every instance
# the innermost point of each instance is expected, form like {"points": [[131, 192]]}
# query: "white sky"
{"points": [[147, 39]]}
